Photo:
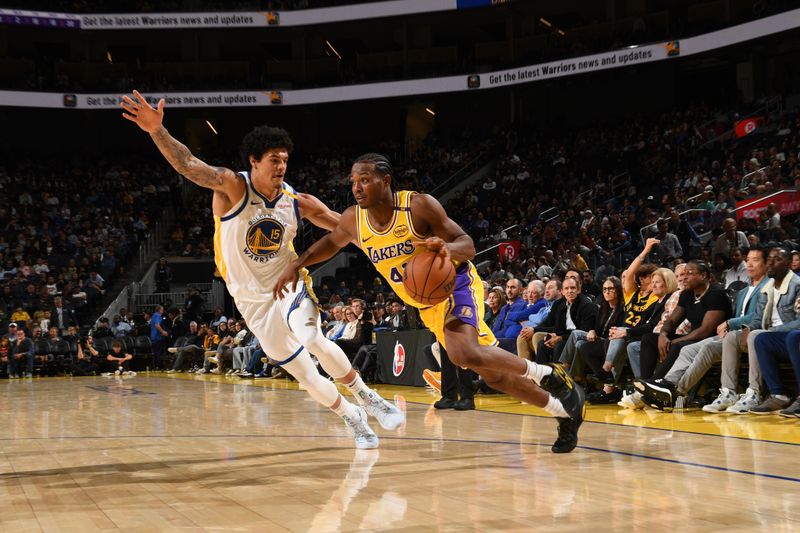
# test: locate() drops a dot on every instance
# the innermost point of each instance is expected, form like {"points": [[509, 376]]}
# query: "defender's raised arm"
{"points": [[151, 119]]}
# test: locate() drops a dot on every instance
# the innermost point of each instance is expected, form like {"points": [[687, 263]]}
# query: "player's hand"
{"points": [[434, 244], [142, 113], [290, 275]]}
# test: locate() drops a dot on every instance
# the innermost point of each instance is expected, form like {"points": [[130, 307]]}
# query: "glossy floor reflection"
{"points": [[158, 453]]}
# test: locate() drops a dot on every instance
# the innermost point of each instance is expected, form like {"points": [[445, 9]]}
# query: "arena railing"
{"points": [[122, 301], [209, 291], [774, 104], [474, 164], [726, 214], [763, 199]]}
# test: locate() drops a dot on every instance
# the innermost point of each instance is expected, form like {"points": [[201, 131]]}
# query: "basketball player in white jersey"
{"points": [[256, 216]]}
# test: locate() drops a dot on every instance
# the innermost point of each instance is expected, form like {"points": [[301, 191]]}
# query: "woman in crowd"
{"points": [[639, 299], [593, 343], [666, 287], [495, 301], [352, 331]]}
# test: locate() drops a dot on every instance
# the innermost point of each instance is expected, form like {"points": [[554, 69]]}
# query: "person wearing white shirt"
{"points": [[737, 272]]}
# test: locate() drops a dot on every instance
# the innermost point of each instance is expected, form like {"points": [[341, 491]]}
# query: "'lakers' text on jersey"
{"points": [[390, 250], [253, 241]]}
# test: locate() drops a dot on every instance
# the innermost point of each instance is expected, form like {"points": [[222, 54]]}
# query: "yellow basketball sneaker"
{"points": [[433, 379]]}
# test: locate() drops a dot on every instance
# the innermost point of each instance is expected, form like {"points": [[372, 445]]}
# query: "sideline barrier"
{"points": [[401, 356]]}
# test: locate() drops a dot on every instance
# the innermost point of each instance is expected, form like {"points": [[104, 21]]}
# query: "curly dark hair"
{"points": [[261, 139], [381, 162]]}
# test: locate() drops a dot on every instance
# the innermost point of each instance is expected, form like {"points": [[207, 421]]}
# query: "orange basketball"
{"points": [[429, 279]]}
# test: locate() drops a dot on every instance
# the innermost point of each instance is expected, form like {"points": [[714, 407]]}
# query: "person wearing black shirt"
{"points": [[21, 349], [572, 312], [703, 304], [193, 307], [193, 349], [62, 316], [87, 360], [396, 319], [163, 276]]}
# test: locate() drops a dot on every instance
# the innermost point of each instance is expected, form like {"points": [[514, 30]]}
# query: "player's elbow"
{"points": [[466, 247]]}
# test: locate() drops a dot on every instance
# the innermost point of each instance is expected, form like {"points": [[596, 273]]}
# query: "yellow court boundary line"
{"points": [[756, 428]]}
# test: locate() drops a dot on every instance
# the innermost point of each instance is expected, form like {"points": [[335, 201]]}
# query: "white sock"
{"points": [[555, 408], [345, 408], [536, 371], [358, 389]]}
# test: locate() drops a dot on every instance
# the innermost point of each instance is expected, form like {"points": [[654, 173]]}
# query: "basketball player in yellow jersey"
{"points": [[391, 227], [256, 216]]}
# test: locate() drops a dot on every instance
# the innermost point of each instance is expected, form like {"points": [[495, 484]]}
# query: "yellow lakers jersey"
{"points": [[391, 249]]}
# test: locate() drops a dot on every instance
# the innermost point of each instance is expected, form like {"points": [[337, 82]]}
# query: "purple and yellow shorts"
{"points": [[465, 304]]}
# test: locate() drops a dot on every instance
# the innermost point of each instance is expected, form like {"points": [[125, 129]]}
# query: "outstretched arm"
{"points": [[629, 276], [449, 240], [323, 249], [316, 212], [151, 120]]}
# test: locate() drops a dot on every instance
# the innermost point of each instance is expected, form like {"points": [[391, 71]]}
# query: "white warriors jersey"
{"points": [[253, 242]]}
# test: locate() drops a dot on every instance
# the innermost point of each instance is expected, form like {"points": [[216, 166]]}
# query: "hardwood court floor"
{"points": [[159, 453]]}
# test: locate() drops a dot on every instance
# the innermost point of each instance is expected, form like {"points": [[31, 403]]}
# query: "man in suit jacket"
{"points": [[572, 312], [62, 316]]}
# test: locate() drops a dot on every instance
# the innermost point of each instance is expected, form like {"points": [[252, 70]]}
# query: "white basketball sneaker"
{"points": [[726, 398], [386, 413], [364, 436], [749, 400], [632, 401]]}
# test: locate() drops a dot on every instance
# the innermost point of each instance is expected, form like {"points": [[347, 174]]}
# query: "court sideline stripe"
{"points": [[489, 410], [430, 439]]}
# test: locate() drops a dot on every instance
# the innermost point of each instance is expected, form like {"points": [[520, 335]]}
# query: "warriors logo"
{"points": [[264, 238]]}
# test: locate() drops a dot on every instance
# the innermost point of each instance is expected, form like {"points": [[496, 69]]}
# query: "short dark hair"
{"points": [[116, 344], [381, 162], [763, 250], [261, 139]]}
